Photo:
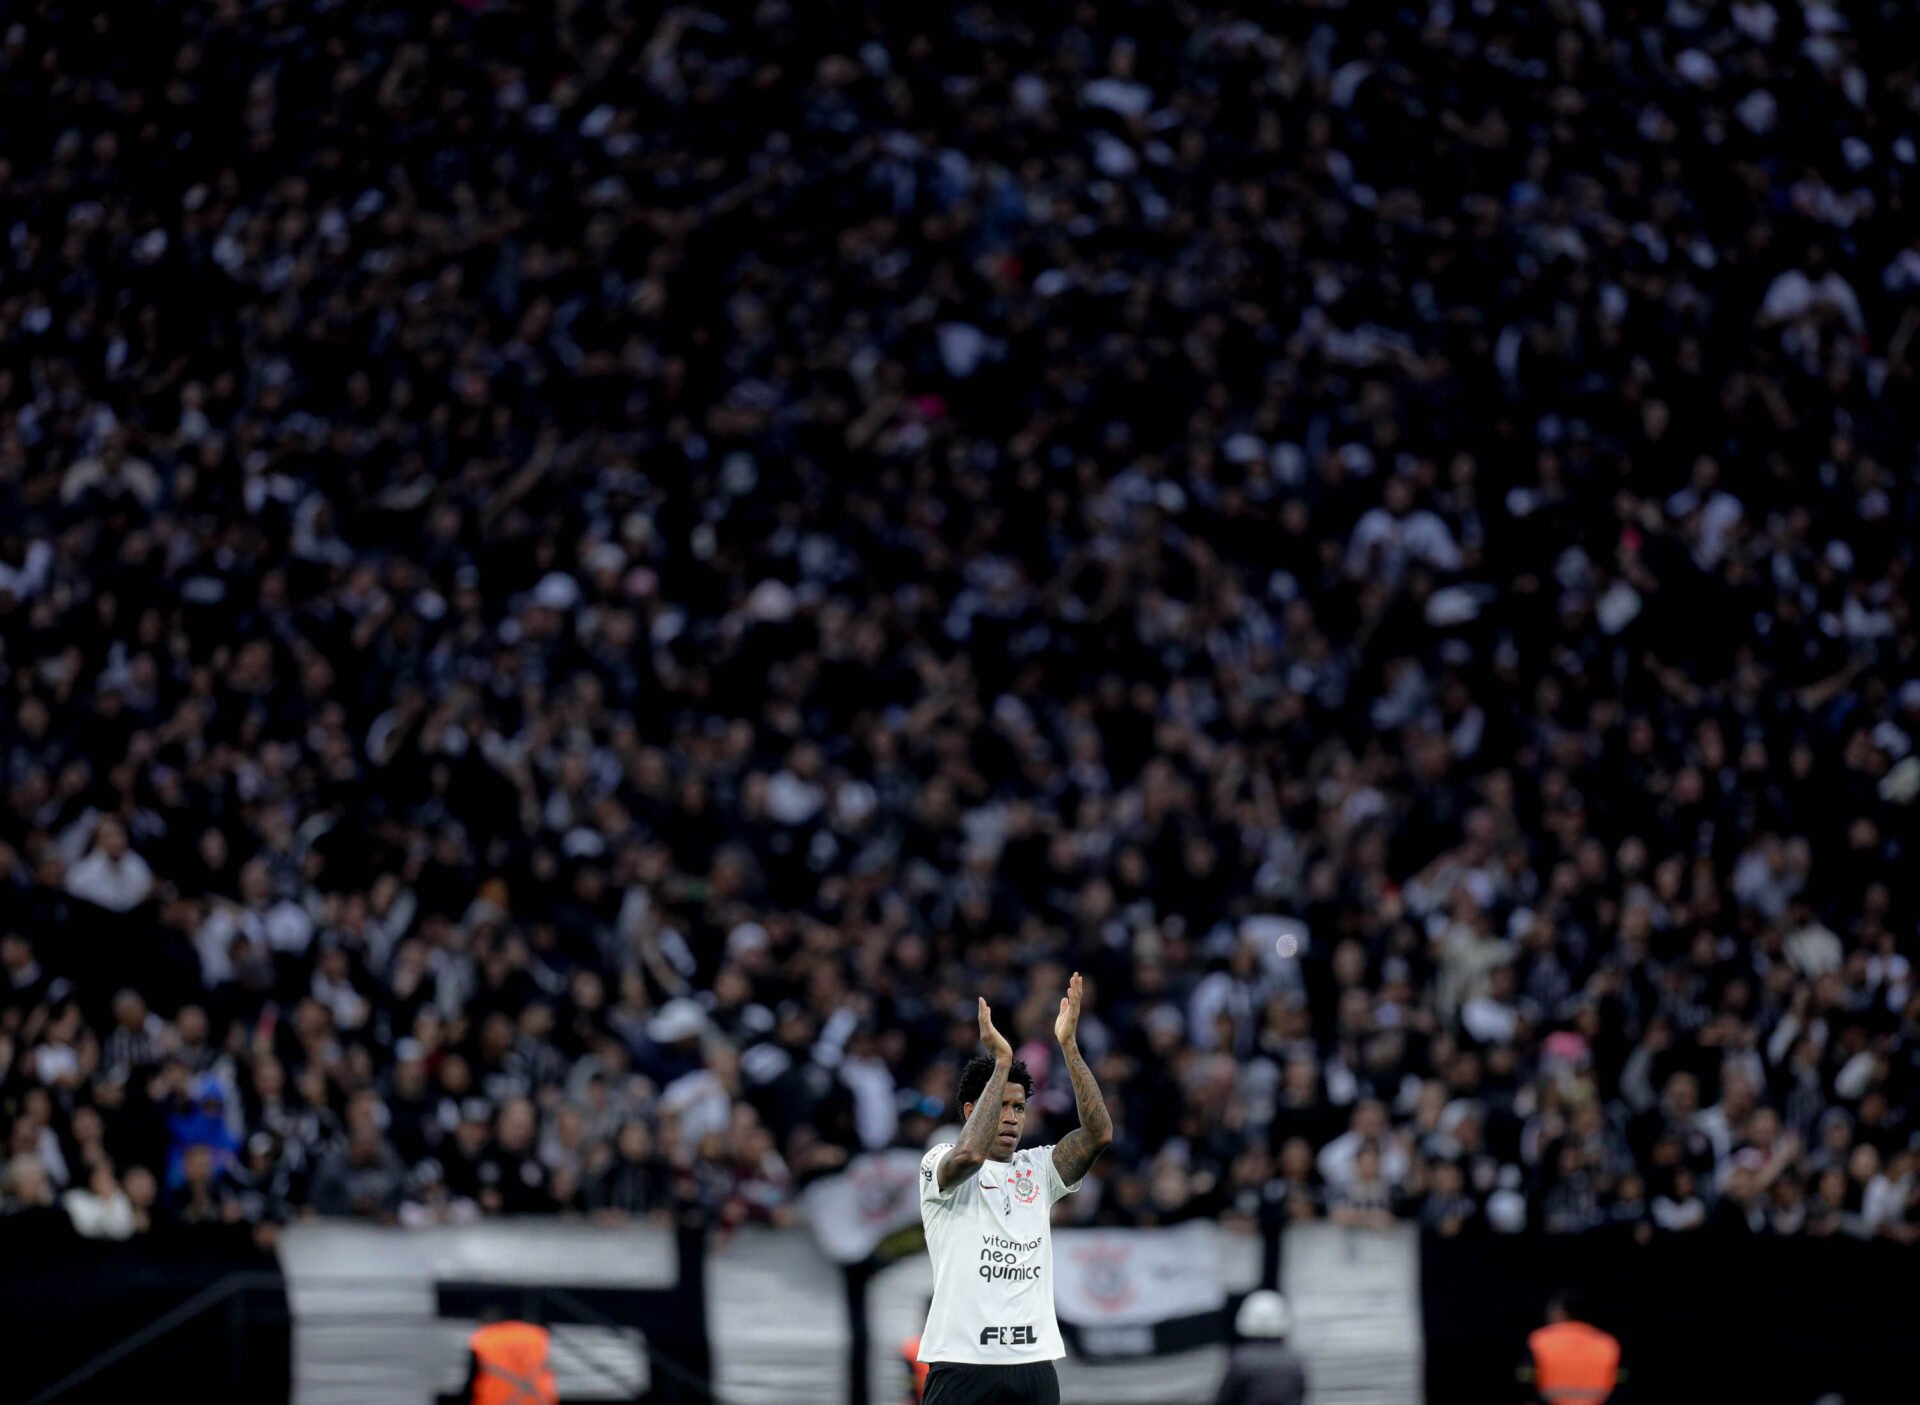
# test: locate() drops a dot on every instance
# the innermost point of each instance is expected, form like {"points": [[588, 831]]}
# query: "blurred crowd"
{"points": [[577, 580]]}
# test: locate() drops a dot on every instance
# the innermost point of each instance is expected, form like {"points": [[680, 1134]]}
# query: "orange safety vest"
{"points": [[910, 1349], [1574, 1363], [513, 1365]]}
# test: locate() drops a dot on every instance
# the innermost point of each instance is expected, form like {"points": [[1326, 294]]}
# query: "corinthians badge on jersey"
{"points": [[1023, 1187]]}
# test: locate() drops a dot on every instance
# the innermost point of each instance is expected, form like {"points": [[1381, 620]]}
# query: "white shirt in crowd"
{"points": [[1338, 1157], [1886, 1200], [1793, 295], [100, 1217], [991, 1240], [283, 925], [1418, 535], [118, 885], [29, 578]]}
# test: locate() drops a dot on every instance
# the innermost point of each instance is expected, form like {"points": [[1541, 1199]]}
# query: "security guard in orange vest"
{"points": [[509, 1363], [916, 1368], [1574, 1362]]}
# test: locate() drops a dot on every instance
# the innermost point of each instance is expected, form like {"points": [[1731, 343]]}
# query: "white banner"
{"points": [[777, 1320], [877, 1195], [1112, 1278], [1356, 1311], [367, 1328]]}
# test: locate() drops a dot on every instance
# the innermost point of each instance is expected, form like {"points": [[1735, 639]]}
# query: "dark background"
{"points": [[73, 1299], [1700, 1318]]}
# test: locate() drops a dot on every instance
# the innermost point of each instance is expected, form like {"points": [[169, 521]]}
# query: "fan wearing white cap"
{"points": [[1263, 1369]]}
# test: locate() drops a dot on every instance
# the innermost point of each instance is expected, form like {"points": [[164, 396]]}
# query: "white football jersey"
{"points": [[991, 1239]]}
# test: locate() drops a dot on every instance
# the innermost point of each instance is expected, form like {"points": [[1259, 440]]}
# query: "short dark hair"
{"points": [[973, 1079]]}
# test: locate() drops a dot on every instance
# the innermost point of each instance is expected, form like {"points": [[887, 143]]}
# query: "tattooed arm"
{"points": [[969, 1154], [1076, 1152]]}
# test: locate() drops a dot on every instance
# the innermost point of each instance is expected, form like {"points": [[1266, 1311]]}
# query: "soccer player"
{"points": [[991, 1336]]}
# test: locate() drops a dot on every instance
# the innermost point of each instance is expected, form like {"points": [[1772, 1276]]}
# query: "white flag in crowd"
{"points": [[877, 1195]]}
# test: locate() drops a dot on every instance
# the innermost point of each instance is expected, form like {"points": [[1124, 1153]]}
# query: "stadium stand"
{"points": [[575, 581]]}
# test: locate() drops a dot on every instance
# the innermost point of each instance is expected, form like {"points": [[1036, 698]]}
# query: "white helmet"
{"points": [[1264, 1314]]}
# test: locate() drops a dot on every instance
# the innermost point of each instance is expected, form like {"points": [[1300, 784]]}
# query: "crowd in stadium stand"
{"points": [[576, 582]]}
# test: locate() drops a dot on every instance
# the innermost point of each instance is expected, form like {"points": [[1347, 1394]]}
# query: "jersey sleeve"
{"points": [[1057, 1189], [930, 1192]]}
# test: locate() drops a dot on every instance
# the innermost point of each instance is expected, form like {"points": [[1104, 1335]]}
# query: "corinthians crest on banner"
{"points": [[1130, 1292], [1106, 1277], [851, 1213]]}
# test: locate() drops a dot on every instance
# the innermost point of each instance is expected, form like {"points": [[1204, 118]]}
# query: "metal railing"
{"points": [[228, 1291], [684, 1387], [671, 1382]]}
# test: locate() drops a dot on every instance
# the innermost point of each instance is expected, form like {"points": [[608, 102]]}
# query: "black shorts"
{"points": [[963, 1383]]}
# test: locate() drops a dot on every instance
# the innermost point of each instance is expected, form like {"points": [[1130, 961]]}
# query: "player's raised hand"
{"points": [[1066, 1024], [995, 1041]]}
